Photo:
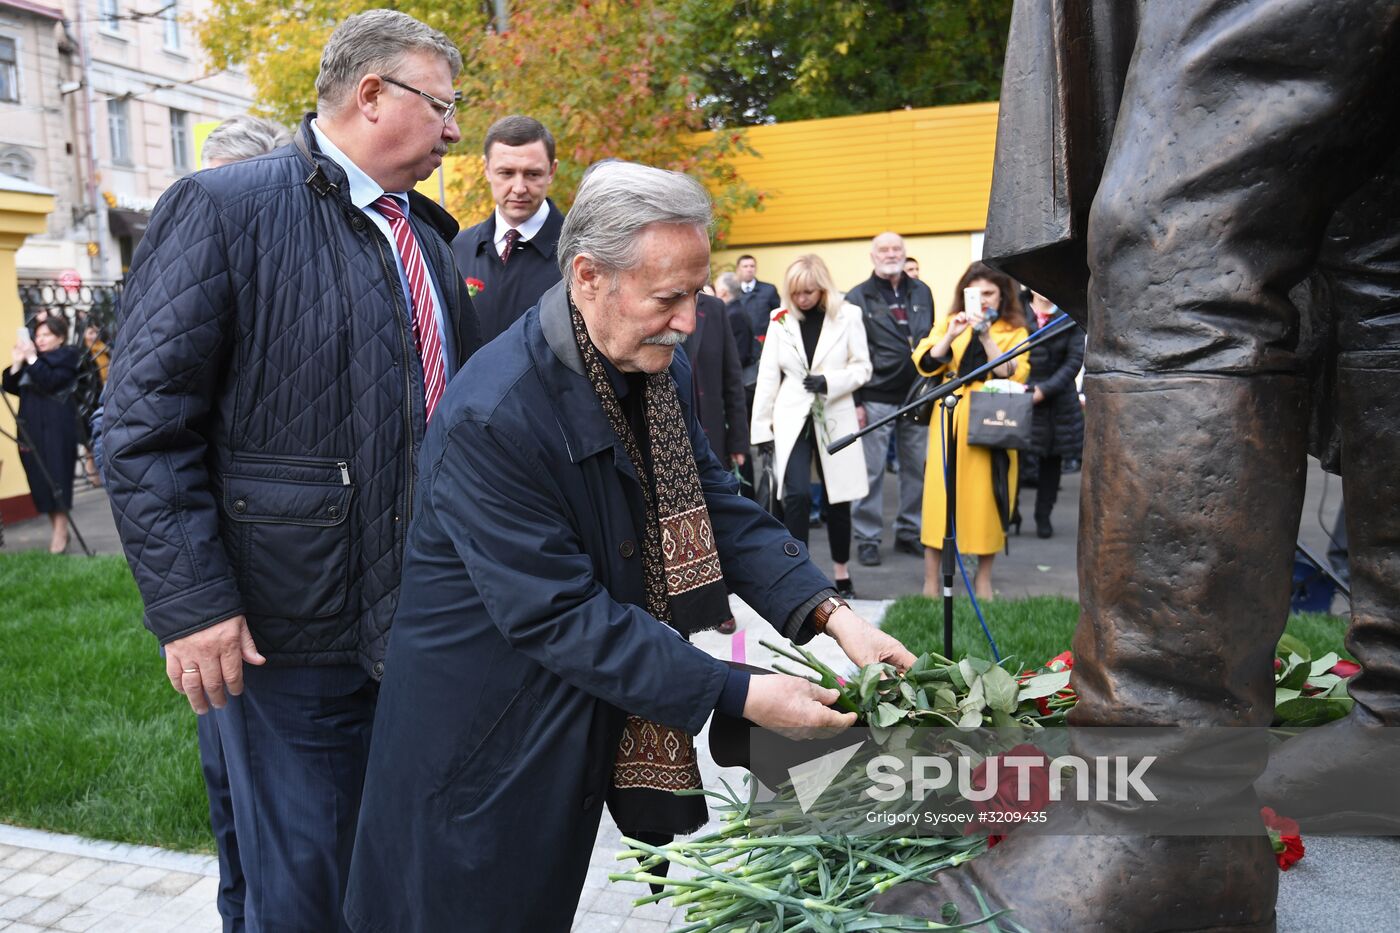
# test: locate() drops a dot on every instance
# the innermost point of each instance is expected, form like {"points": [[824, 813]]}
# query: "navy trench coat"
{"points": [[521, 639]]}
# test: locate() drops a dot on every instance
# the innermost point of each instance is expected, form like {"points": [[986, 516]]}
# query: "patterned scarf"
{"points": [[685, 590]]}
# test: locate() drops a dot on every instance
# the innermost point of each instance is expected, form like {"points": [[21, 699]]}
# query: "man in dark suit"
{"points": [[511, 253], [759, 300]]}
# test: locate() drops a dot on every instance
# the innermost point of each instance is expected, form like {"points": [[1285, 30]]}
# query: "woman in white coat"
{"points": [[814, 357]]}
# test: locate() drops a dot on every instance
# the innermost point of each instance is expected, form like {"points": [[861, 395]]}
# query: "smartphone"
{"points": [[972, 299], [22, 335]]}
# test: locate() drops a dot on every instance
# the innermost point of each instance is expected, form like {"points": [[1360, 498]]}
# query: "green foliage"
{"points": [[608, 77], [766, 60], [97, 743], [610, 80], [279, 44]]}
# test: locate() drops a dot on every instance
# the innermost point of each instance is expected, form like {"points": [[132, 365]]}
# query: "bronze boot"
{"points": [[1192, 492], [1341, 777]]}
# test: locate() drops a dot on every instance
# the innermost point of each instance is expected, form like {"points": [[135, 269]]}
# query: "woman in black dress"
{"points": [[1058, 424], [43, 373]]}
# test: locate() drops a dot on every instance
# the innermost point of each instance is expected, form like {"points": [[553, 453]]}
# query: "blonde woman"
{"points": [[814, 358]]}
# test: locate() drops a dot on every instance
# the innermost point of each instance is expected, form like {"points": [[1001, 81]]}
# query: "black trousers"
{"points": [[797, 499], [1047, 484]]}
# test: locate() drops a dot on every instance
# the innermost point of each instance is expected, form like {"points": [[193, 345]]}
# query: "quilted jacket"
{"points": [[265, 407]]}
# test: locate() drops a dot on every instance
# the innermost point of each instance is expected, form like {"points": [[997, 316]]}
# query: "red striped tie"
{"points": [[424, 319]]}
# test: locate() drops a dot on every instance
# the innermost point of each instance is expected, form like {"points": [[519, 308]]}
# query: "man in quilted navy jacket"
{"points": [[290, 323]]}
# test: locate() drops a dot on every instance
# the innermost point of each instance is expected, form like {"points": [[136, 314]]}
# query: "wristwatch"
{"points": [[823, 612]]}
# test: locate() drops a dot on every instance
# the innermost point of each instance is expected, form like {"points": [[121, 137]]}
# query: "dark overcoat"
{"points": [[508, 289], [719, 379], [49, 418], [520, 640], [1057, 428], [758, 304]]}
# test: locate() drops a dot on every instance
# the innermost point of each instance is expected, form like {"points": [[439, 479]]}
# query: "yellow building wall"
{"points": [[21, 213], [912, 171], [831, 185]]}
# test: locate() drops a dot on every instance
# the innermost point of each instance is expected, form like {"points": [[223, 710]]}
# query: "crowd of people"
{"points": [[830, 363], [353, 415]]}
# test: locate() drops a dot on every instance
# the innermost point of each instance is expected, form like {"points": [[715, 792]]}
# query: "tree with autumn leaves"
{"points": [[644, 79], [606, 76]]}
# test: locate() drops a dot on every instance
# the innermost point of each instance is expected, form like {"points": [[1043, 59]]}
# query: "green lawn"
{"points": [[1036, 629], [96, 742]]}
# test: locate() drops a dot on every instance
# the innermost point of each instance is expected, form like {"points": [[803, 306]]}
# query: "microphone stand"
{"points": [[1325, 569], [945, 393], [950, 506]]}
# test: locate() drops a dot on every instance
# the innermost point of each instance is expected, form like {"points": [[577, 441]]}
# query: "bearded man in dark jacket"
{"points": [[290, 323], [898, 313]]}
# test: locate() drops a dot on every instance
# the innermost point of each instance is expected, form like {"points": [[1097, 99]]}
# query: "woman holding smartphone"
{"points": [[43, 373], [969, 337]]}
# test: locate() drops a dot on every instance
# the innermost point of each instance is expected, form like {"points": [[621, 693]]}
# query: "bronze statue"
{"points": [[1180, 175]]}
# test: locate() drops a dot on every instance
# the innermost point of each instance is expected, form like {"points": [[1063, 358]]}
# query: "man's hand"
{"points": [[860, 416], [863, 643], [207, 666], [793, 707], [738, 458], [1037, 396]]}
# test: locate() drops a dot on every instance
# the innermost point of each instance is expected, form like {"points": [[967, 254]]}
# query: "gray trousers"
{"points": [[911, 444]]}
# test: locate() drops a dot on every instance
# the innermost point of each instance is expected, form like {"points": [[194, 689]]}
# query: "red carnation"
{"points": [[1345, 668], [1007, 799], [1284, 835]]}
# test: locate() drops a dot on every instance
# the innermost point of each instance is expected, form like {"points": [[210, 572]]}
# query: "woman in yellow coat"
{"points": [[965, 339]]}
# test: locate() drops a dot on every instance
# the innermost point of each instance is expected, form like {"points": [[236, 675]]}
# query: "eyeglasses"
{"points": [[448, 109]]}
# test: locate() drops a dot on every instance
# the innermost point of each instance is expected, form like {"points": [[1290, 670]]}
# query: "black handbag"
{"points": [[999, 419], [922, 386], [764, 479]]}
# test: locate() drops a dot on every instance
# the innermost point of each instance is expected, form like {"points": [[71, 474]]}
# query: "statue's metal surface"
{"points": [[1184, 176]]}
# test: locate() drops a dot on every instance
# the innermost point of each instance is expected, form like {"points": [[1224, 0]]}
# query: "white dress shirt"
{"points": [[527, 230]]}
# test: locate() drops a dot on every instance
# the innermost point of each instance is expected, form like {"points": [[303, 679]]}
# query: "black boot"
{"points": [[1191, 500]]}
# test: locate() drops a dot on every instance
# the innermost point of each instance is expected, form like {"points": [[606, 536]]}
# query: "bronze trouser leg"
{"points": [[1341, 777], [1192, 491], [1370, 384]]}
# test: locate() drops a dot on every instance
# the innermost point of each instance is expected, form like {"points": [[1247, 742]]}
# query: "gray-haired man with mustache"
{"points": [[290, 324]]}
